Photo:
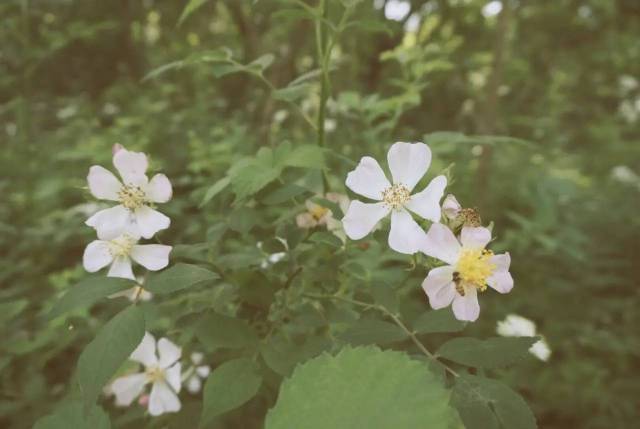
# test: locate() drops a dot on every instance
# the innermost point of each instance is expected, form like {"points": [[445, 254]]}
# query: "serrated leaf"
{"points": [[324, 237], [361, 387], [219, 331], [102, 357], [304, 156], [283, 194], [71, 415], [191, 7], [372, 331], [87, 292], [474, 395], [433, 321], [292, 93], [228, 387], [490, 353], [179, 277], [250, 175], [214, 190]]}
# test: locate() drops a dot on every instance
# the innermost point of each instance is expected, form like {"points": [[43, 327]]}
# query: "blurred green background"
{"points": [[561, 77]]}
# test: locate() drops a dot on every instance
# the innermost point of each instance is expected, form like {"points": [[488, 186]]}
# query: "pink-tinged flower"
{"points": [[451, 207], [135, 194], [470, 268], [120, 251], [408, 162], [162, 371]]}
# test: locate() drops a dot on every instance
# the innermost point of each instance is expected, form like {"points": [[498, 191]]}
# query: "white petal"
{"points": [[194, 384], [132, 166], [516, 326], [502, 261], [150, 221], [159, 189], [439, 287], [103, 184], [110, 223], [203, 371], [128, 388], [442, 244], [96, 256], [121, 267], [467, 307], [541, 350], [408, 162], [427, 202], [163, 399], [361, 218], [451, 207], [153, 257], [196, 357], [501, 281], [405, 236], [145, 353], [368, 179], [169, 353], [173, 377], [475, 237]]}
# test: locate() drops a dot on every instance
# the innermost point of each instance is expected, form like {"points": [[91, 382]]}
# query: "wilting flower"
{"points": [[162, 371], [136, 293], [518, 326], [196, 373], [118, 252], [408, 162], [451, 207], [135, 195], [317, 215], [470, 268]]}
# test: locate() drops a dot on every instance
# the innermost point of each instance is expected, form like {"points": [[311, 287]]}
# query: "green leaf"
{"points": [[243, 219], [87, 292], [433, 321], [292, 93], [372, 331], [214, 190], [361, 387], [304, 156], [284, 194], [250, 175], [282, 356], [191, 7], [384, 294], [179, 277], [491, 353], [102, 357], [71, 415], [228, 387], [474, 395], [261, 63], [10, 310], [324, 237], [219, 331]]}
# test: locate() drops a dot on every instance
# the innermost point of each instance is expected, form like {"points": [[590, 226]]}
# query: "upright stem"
{"points": [[323, 53]]}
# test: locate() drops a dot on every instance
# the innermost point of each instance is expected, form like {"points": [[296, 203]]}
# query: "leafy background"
{"points": [[226, 120]]}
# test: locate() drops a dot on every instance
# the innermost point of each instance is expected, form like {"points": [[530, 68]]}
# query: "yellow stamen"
{"points": [[318, 212], [474, 267], [121, 246], [396, 196], [155, 373], [132, 197]]}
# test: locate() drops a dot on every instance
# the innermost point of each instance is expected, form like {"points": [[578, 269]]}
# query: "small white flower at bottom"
{"points": [[470, 268], [118, 252], [194, 376], [162, 371]]}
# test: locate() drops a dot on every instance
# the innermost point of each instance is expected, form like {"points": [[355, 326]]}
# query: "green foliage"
{"points": [[491, 353], [361, 387], [87, 292], [178, 277], [72, 415]]}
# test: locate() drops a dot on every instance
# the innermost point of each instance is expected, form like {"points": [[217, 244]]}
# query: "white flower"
{"points": [[408, 162], [135, 194], [194, 375], [317, 215], [518, 326], [162, 370], [118, 252], [470, 267], [451, 207]]}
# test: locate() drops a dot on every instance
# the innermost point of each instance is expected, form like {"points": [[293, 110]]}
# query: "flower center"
{"points": [[318, 212], [132, 197], [473, 268], [396, 196], [121, 246], [154, 373]]}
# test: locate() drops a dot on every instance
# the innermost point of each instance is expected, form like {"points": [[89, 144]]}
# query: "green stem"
{"points": [[323, 52], [396, 319]]}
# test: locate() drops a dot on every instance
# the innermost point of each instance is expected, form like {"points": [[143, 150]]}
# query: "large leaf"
{"points": [[361, 387], [219, 331], [433, 321], [482, 403], [250, 175], [71, 415], [372, 331], [491, 353], [229, 386], [214, 190], [178, 277], [304, 156], [102, 357], [87, 292]]}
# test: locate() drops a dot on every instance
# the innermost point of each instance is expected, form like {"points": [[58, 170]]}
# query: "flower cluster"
{"points": [[456, 239], [119, 228], [163, 371]]}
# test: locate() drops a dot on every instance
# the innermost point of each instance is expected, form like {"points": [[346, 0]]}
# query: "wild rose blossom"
{"points": [[408, 163], [135, 194], [518, 326], [470, 268]]}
